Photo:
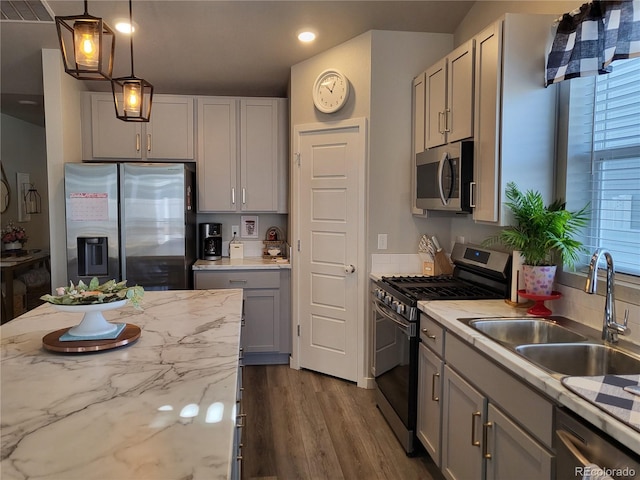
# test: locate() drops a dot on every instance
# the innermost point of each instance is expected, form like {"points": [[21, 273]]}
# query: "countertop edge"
{"points": [[247, 263]]}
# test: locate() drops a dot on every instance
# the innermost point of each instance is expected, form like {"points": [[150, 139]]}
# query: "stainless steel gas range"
{"points": [[478, 274]]}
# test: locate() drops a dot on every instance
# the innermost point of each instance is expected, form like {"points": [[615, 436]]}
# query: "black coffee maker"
{"points": [[210, 241]]}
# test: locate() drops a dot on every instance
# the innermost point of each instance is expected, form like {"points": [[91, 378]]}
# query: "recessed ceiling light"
{"points": [[306, 36], [125, 27]]}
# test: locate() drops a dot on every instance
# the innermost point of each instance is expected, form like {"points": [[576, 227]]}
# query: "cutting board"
{"points": [[607, 393]]}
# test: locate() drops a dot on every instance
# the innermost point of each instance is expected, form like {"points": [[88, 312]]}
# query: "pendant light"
{"points": [[87, 45], [132, 96]]}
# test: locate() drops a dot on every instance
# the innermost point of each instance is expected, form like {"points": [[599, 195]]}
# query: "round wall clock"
{"points": [[330, 91]]}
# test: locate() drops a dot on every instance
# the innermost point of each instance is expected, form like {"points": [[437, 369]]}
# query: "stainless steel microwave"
{"points": [[444, 176]]}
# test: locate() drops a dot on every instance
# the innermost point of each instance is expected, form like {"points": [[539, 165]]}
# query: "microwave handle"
{"points": [[445, 158], [472, 197]]}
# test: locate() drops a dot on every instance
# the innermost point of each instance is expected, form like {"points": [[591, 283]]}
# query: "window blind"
{"points": [[604, 161]]}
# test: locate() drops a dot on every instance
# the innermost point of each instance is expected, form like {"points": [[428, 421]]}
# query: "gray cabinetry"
{"points": [[463, 413], [242, 154], [266, 334], [169, 135], [514, 115], [430, 374], [492, 420], [449, 98]]}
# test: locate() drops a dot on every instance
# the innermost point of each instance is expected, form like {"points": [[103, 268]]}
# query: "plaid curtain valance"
{"points": [[588, 39]]}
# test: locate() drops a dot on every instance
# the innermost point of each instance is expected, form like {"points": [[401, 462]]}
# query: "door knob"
{"points": [[349, 269]]}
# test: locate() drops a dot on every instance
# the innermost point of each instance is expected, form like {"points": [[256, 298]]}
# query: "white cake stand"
{"points": [[93, 322]]}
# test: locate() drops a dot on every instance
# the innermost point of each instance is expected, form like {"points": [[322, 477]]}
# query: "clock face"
{"points": [[330, 91]]}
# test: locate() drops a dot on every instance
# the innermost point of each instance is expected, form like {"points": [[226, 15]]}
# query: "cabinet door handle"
{"points": [[472, 194], [434, 377], [148, 142], [447, 117], [233, 195], [137, 142], [440, 129], [474, 442], [244, 196], [485, 436], [237, 281], [426, 333]]}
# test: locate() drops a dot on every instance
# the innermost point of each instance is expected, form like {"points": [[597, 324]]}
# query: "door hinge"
{"points": [[298, 330], [297, 154]]}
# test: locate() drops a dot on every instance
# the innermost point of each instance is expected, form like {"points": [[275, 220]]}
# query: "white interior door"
{"points": [[330, 223]]}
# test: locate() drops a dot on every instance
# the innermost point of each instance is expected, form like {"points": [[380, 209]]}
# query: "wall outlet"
{"points": [[235, 230], [382, 241]]}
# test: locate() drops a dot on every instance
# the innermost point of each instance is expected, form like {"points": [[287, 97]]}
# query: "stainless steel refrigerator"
{"points": [[133, 221]]}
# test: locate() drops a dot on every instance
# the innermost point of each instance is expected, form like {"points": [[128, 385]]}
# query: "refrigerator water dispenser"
{"points": [[92, 256]]}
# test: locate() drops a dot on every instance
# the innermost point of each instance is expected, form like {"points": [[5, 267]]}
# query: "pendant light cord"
{"points": [[86, 7], [131, 34]]}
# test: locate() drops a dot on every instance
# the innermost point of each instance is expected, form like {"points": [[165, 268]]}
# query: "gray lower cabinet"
{"points": [[493, 426], [430, 371], [462, 417], [266, 334]]}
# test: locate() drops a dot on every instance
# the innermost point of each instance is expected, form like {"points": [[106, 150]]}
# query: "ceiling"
{"points": [[211, 47]]}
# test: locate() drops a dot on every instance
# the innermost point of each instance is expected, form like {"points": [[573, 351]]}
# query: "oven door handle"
{"points": [[407, 327]]}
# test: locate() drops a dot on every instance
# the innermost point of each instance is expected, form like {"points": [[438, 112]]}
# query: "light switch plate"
{"points": [[382, 241]]}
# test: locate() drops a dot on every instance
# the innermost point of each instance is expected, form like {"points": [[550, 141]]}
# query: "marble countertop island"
{"points": [[160, 408]]}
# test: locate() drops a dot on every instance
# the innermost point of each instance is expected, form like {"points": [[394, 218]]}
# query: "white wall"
{"points": [[24, 151], [396, 58], [64, 144]]}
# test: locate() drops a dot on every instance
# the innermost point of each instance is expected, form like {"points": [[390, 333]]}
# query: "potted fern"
{"points": [[543, 235]]}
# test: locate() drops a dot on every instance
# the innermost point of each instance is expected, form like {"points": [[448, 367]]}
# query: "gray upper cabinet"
{"points": [[514, 115], [169, 135], [449, 98], [242, 154]]}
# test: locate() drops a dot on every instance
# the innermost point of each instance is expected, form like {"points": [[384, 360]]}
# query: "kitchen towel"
{"points": [[607, 393]]}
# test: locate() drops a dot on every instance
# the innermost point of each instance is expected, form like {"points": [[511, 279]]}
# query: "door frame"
{"points": [[362, 267]]}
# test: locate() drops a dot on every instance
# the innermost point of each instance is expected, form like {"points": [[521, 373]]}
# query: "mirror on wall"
{"points": [[5, 192]]}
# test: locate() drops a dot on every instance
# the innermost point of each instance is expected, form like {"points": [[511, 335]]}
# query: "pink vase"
{"points": [[539, 280]]}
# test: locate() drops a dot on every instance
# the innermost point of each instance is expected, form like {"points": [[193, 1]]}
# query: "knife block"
{"points": [[439, 266]]}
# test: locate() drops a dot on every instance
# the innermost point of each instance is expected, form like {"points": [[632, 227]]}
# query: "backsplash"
{"points": [[390, 263]]}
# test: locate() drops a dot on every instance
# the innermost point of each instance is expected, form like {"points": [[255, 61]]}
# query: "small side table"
{"points": [[11, 265]]}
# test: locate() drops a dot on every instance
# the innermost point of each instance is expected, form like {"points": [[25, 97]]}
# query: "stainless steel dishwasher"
{"points": [[580, 449]]}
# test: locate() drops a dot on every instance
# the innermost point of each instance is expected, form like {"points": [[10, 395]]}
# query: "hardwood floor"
{"points": [[304, 425]]}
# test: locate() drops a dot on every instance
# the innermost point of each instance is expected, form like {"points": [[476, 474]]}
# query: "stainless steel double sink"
{"points": [[558, 345]]}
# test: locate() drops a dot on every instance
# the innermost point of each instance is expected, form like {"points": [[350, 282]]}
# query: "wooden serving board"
{"points": [[52, 342]]}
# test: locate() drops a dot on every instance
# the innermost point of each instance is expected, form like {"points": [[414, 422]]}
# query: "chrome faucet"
{"points": [[610, 328]]}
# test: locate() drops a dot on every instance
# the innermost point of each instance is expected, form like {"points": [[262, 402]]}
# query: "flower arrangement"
{"points": [[83, 294], [13, 233]]}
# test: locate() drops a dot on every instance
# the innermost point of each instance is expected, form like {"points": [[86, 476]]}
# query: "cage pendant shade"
{"points": [[132, 96], [87, 45]]}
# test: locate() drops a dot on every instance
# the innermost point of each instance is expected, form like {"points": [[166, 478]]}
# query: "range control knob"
{"points": [[400, 308], [387, 299]]}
